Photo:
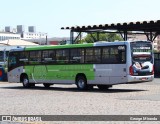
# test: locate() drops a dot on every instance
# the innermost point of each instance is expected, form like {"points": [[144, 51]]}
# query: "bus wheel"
{"points": [[104, 87], [25, 82], [81, 83], [46, 85]]}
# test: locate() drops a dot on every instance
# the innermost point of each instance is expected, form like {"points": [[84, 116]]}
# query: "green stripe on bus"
{"points": [[59, 72]]}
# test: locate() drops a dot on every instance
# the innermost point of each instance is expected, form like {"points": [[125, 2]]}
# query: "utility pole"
{"points": [[46, 40]]}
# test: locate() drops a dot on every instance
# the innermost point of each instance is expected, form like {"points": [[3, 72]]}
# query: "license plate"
{"points": [[143, 79]]}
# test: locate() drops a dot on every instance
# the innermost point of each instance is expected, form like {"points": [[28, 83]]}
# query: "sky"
{"points": [[50, 15]]}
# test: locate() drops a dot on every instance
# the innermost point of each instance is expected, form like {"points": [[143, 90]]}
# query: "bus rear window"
{"points": [[141, 51]]}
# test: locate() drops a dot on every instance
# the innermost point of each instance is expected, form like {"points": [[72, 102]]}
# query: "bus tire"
{"points": [[46, 85], [104, 87], [25, 82], [81, 83]]}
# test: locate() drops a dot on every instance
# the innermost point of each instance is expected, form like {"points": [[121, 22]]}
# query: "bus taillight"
{"points": [[153, 70], [1, 72], [131, 70]]}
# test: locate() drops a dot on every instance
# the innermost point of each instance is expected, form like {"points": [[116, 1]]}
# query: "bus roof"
{"points": [[100, 43], [58, 46]]}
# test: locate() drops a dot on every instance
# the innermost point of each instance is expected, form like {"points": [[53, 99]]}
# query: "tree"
{"points": [[110, 37]]}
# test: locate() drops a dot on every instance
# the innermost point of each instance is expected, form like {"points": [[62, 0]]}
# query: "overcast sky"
{"points": [[50, 15]]}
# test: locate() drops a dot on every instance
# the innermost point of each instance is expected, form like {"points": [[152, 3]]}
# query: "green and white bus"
{"points": [[101, 64]]}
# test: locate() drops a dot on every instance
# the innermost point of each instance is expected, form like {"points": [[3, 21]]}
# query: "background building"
{"points": [[9, 35], [20, 33], [32, 29], [20, 29], [50, 41], [30, 35], [8, 29], [16, 42]]}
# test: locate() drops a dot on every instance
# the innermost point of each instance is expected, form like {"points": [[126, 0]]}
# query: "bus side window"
{"points": [[23, 58], [35, 57], [106, 55], [52, 55], [62, 56], [122, 56], [77, 55]]}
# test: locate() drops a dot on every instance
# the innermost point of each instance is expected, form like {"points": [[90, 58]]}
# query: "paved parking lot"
{"points": [[124, 99]]}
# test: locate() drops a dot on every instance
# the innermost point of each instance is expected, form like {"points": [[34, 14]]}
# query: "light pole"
{"points": [[46, 39]]}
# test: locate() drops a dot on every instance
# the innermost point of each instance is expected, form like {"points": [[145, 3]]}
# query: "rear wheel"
{"points": [[81, 83], [104, 87], [47, 85], [25, 82]]}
